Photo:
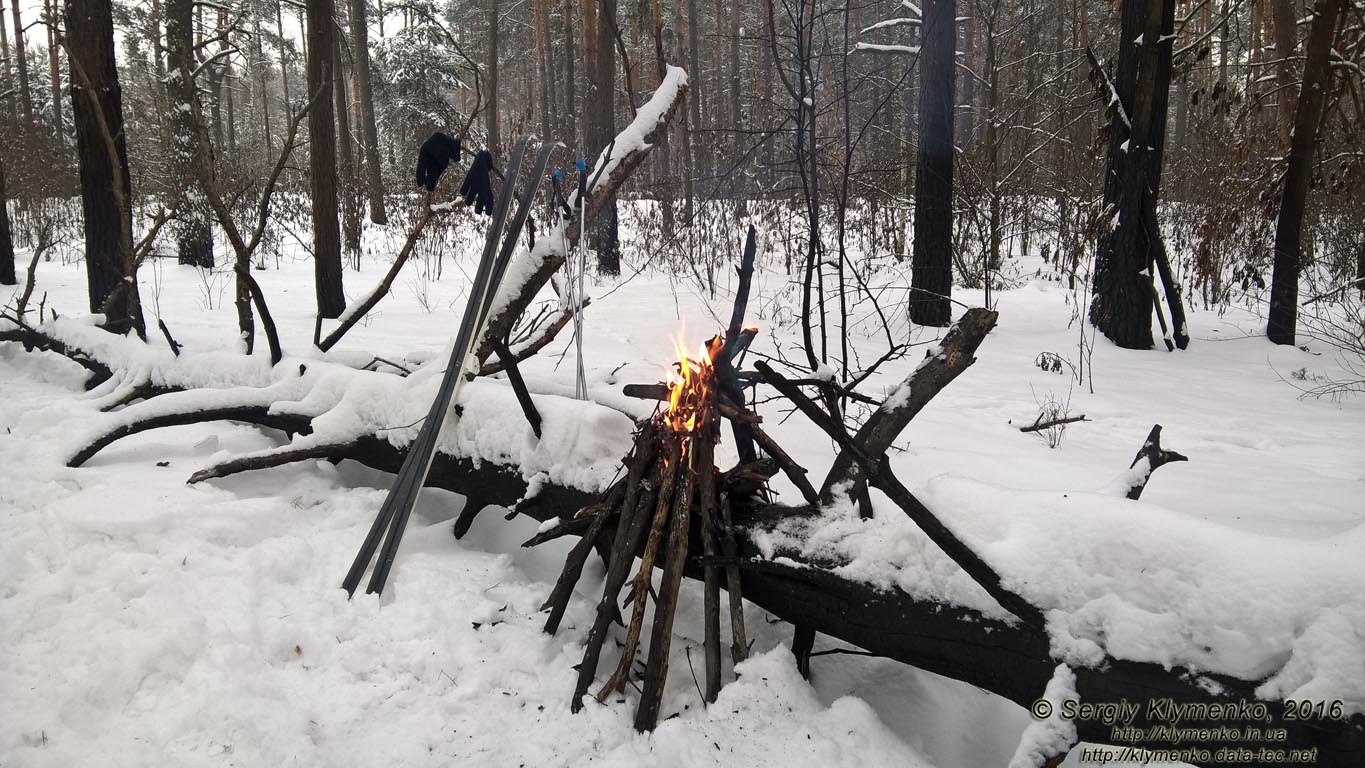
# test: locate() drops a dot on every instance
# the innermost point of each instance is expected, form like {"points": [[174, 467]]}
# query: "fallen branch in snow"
{"points": [[1150, 458], [249, 413], [270, 459], [31, 338], [1039, 425]]}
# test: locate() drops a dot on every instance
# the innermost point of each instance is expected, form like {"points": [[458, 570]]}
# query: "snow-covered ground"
{"points": [[147, 622]]}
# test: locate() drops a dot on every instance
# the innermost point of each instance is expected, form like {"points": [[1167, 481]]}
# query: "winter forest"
{"points": [[682, 383]]}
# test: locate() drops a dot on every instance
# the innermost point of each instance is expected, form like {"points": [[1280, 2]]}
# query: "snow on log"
{"points": [[531, 270]]}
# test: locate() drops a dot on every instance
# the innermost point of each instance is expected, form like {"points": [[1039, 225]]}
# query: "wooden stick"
{"points": [[276, 458], [706, 489], [666, 606], [877, 470], [1039, 425], [626, 541], [794, 472], [640, 589], [528, 406], [739, 644], [558, 600]]}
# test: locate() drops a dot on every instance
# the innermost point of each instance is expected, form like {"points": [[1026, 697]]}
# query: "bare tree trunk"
{"points": [[262, 82], [97, 110], [1123, 294], [1284, 288], [230, 119], [931, 259], [693, 120], [570, 95], [322, 149], [1224, 46], [7, 276], [601, 114], [4, 54], [492, 117], [1283, 19], [154, 32], [664, 183], [25, 97], [971, 50], [541, 19], [736, 120], [364, 95], [284, 64], [54, 66], [194, 237], [347, 191]]}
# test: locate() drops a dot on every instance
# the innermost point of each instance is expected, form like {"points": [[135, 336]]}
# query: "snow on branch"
{"points": [[882, 48], [531, 269]]}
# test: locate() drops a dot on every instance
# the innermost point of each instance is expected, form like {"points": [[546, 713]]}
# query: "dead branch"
{"points": [[1039, 425], [355, 314], [878, 472], [945, 363], [1151, 457], [269, 459], [31, 338], [250, 414], [525, 351]]}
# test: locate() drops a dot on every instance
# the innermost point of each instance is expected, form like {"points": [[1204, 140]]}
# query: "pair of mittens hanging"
{"points": [[477, 187], [437, 152]]}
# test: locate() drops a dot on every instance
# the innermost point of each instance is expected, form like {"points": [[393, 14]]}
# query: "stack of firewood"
{"points": [[671, 503]]}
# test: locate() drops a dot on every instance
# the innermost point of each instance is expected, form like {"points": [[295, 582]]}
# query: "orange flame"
{"points": [[691, 385]]}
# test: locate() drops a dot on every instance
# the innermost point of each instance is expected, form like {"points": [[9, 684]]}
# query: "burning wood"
{"points": [[673, 492]]}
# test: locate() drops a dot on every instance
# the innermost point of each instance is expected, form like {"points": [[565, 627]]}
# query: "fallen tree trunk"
{"points": [[1010, 660]]}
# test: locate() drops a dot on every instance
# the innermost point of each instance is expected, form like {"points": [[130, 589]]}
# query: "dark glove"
{"points": [[560, 201], [437, 152], [477, 187]]}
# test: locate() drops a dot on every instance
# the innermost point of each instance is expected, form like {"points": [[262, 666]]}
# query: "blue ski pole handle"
{"points": [[582, 182]]}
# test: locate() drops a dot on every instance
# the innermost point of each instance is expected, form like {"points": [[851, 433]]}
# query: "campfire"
{"points": [[671, 503]]}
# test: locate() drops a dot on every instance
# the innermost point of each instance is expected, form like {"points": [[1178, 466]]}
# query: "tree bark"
{"points": [[1123, 295], [327, 269], [1284, 287], [97, 110], [262, 82], [194, 237], [347, 158], [25, 96], [931, 260], [570, 125], [54, 67], [601, 117], [284, 64], [4, 55], [364, 95], [1284, 28], [491, 118], [7, 276]]}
